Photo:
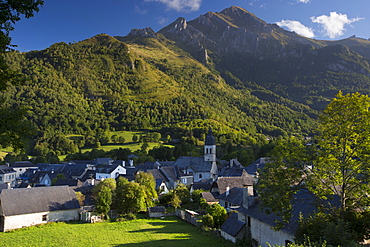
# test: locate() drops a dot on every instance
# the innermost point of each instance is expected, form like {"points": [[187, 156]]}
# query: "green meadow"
{"points": [[142, 232]]}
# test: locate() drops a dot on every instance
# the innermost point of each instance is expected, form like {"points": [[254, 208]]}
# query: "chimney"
{"points": [[248, 198], [227, 190]]}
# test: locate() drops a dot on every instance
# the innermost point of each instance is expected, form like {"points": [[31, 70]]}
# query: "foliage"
{"points": [[182, 192], [80, 197], [103, 201], [196, 195], [208, 221], [103, 195], [324, 229], [334, 169], [218, 213], [130, 198], [94, 86], [175, 200], [147, 181]]}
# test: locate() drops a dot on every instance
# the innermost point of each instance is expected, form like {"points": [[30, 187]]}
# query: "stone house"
{"points": [[32, 206], [7, 175]]}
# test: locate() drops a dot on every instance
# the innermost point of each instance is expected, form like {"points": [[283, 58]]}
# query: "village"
{"points": [[36, 194]]}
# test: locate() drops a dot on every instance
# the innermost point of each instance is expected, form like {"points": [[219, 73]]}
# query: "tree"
{"points": [[14, 128], [218, 213], [182, 192], [131, 199], [336, 167], [147, 181], [104, 201], [103, 195]]}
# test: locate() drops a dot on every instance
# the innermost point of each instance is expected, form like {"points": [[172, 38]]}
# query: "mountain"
{"points": [[245, 78], [301, 69]]}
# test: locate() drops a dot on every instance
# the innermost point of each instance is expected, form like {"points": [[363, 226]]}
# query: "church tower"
{"points": [[210, 147]]}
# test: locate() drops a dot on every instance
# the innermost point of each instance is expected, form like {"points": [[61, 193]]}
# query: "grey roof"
{"points": [[68, 181], [198, 164], [222, 182], [304, 206], [231, 172], [5, 169], [235, 196], [158, 175], [208, 196], [210, 139], [232, 225], [202, 185], [169, 172], [257, 165], [23, 164], [106, 168], [36, 200]]}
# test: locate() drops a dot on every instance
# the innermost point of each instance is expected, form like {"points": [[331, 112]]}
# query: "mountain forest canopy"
{"points": [[165, 82]]}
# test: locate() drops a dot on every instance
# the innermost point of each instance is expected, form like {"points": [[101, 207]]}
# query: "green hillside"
{"points": [[102, 84]]}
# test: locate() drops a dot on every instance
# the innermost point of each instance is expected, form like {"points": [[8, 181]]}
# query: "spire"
{"points": [[210, 139]]}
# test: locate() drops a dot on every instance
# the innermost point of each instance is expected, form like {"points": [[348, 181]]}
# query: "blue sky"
{"points": [[76, 20]]}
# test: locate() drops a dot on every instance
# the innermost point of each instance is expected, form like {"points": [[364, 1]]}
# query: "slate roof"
{"points": [[304, 206], [232, 225], [108, 169], [222, 182], [257, 165], [68, 182], [23, 164], [157, 174], [231, 172], [208, 196], [202, 185], [198, 164], [5, 169], [36, 200], [235, 196], [210, 139]]}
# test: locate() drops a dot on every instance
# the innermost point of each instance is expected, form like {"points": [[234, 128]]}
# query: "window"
{"points": [[45, 217], [200, 175], [1, 178], [249, 221]]}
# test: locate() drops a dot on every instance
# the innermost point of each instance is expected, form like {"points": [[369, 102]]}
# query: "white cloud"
{"points": [[304, 1], [180, 5], [333, 25], [297, 27]]}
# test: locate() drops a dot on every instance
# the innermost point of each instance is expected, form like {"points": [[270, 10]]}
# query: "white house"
{"points": [[32, 206], [7, 175], [109, 171]]}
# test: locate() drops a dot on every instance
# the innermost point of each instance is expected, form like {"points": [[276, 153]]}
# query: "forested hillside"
{"points": [[103, 83]]}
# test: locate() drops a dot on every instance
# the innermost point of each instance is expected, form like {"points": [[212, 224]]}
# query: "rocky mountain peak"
{"points": [[145, 33]]}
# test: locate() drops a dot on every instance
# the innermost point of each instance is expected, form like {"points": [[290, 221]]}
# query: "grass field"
{"points": [[144, 232]]}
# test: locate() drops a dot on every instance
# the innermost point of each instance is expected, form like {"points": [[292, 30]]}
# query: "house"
{"points": [[254, 168], [225, 183], [7, 175], [233, 229], [232, 199], [32, 206], [210, 199], [200, 168], [109, 171], [259, 223], [21, 167]]}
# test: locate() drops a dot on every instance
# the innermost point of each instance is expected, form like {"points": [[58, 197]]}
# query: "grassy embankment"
{"points": [[144, 232]]}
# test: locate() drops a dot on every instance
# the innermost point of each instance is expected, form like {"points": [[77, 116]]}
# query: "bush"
{"points": [[208, 220]]}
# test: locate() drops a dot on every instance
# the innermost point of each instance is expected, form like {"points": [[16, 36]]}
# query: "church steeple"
{"points": [[210, 147]]}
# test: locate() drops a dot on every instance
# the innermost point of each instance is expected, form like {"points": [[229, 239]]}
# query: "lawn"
{"points": [[142, 232]]}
